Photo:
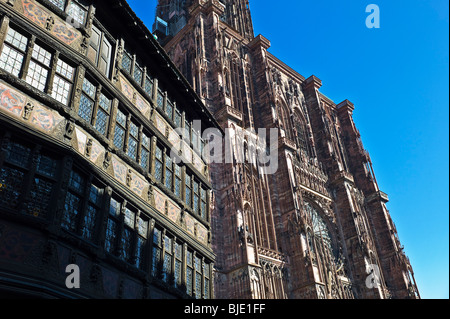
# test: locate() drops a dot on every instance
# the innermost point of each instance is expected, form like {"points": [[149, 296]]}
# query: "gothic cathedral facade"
{"points": [[318, 228]]}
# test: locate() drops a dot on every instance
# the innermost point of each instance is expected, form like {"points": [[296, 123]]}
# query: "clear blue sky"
{"points": [[397, 77]]}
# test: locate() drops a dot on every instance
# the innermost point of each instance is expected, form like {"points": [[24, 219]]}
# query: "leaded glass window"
{"points": [[11, 181], [73, 204], [138, 72], [188, 190], [198, 277], [167, 265], [77, 12], [82, 206], [39, 68], [128, 234], [169, 172], [13, 52], [120, 129], [169, 109], [178, 264], [158, 164], [93, 210], [207, 282], [125, 245], [157, 252], [177, 118], [87, 100], [177, 188], [111, 236], [12, 174], [42, 186], [189, 272], [140, 250], [103, 111], [133, 141], [160, 100], [59, 3], [63, 82], [148, 87], [127, 61], [196, 197], [145, 152], [203, 207], [112, 226]]}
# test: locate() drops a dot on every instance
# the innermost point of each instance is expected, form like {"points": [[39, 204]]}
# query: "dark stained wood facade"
{"points": [[90, 104]]}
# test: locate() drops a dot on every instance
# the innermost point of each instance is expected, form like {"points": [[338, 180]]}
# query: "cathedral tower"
{"points": [[319, 227]]}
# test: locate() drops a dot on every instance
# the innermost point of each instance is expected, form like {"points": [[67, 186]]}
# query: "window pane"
{"points": [[119, 136], [111, 233], [167, 267], [207, 284], [149, 86], [157, 237], [189, 281], [142, 227], [126, 62], [11, 60], [76, 12], [177, 274], [11, 181], [158, 170], [65, 70], [178, 251], [114, 207], [144, 158], [102, 121], [41, 55], [177, 119], [18, 154], [140, 246], [125, 252], [76, 182], [138, 74], [59, 3], [146, 141], [89, 88], [61, 89], [198, 286], [85, 110], [132, 148], [46, 166], [168, 244], [197, 264], [72, 209], [89, 223], [129, 218], [156, 261], [37, 76], [169, 109], [134, 130], [121, 119], [177, 187], [104, 103], [95, 195], [16, 39], [195, 203], [160, 100]]}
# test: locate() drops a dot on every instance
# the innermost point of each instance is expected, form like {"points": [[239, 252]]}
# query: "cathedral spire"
{"points": [[237, 15]]}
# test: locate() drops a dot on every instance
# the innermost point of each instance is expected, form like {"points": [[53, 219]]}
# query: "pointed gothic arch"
{"points": [[302, 132]]}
